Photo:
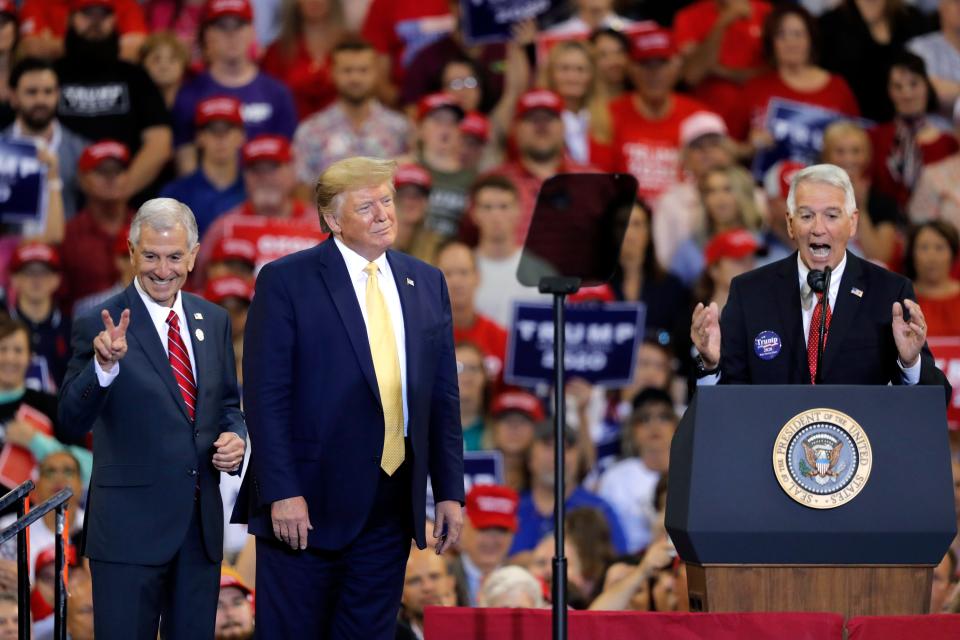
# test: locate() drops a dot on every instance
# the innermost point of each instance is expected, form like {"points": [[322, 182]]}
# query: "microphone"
{"points": [[819, 282]]}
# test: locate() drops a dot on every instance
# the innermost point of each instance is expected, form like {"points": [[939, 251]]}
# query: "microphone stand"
{"points": [[824, 302]]}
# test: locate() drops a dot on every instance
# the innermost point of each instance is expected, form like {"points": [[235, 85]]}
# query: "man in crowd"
{"points": [[34, 94], [495, 209], [459, 267], [35, 270], [356, 124], [88, 260], [226, 36], [9, 618], [272, 218], [413, 184], [487, 535], [233, 257], [427, 583], [179, 365], [216, 186], [235, 619], [121, 261], [102, 96], [331, 562], [867, 306], [646, 122], [44, 25]]}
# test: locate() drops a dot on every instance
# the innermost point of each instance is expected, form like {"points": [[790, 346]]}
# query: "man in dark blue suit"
{"points": [[874, 331], [351, 397], [153, 374]]}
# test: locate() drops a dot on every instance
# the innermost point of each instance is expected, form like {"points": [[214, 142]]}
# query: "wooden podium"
{"points": [[749, 546]]}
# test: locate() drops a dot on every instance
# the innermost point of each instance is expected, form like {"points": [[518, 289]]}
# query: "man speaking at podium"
{"points": [[350, 389], [873, 332]]}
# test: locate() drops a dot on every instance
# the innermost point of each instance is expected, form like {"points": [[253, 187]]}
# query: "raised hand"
{"points": [[909, 335], [705, 333], [110, 345]]}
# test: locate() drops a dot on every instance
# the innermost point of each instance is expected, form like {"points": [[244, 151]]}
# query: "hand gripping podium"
{"points": [[812, 498]]}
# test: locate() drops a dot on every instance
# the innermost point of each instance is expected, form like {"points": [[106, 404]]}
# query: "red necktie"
{"points": [[813, 338], [180, 363]]}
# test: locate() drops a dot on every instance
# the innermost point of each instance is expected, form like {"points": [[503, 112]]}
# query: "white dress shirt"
{"points": [[158, 313], [808, 300], [388, 287]]}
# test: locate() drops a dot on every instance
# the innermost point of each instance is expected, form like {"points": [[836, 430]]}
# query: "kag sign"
{"points": [[22, 183]]}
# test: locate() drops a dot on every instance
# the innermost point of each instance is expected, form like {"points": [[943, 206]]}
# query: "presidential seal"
{"points": [[822, 458]]}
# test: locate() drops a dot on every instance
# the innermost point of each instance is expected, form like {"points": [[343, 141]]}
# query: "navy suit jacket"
{"points": [[312, 401], [147, 455], [859, 349]]}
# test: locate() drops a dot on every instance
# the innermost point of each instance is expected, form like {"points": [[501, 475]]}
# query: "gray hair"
{"points": [[505, 581], [163, 214], [829, 174]]}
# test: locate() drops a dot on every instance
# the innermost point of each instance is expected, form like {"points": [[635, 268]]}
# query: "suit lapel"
{"points": [[406, 287], [845, 310], [145, 334], [333, 270], [791, 315], [200, 348]]}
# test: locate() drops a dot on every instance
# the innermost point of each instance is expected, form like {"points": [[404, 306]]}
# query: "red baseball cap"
{"points": [[412, 174], [235, 249], [434, 101], [31, 252], [475, 124], [539, 99], [776, 181], [79, 5], [225, 108], [224, 287], [738, 243], [49, 555], [596, 293], [215, 9], [491, 505], [9, 7], [522, 402], [652, 44], [701, 123], [267, 147], [99, 152]]}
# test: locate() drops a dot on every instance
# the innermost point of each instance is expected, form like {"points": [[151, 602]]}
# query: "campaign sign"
{"points": [[479, 467], [946, 352], [601, 344], [490, 20], [797, 130], [22, 183]]}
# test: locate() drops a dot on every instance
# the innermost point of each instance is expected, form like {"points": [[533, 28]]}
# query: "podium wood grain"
{"points": [[847, 590]]}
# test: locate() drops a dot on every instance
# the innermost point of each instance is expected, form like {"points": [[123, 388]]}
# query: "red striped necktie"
{"points": [[180, 363], [813, 337]]}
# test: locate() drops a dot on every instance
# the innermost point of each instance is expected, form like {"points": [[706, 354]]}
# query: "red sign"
{"points": [[946, 351], [275, 237]]}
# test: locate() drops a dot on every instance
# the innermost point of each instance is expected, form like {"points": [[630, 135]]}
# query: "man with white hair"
{"points": [[153, 375], [874, 331], [511, 588]]}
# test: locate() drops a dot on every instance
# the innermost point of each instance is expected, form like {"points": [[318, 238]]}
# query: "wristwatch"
{"points": [[702, 370]]}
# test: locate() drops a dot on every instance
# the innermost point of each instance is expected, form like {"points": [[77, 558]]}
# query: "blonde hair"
{"points": [[160, 39], [742, 185], [348, 175], [600, 127], [841, 128]]}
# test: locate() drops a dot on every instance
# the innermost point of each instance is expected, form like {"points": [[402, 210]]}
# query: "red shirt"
{"points": [[401, 28], [38, 16], [649, 149], [272, 237], [751, 113], [89, 262], [491, 338], [881, 138], [740, 48], [309, 80]]}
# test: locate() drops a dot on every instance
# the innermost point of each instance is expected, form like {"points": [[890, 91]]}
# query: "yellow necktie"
{"points": [[386, 364]]}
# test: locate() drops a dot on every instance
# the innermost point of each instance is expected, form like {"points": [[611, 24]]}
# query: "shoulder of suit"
{"points": [[763, 274], [296, 260], [409, 263], [207, 308]]}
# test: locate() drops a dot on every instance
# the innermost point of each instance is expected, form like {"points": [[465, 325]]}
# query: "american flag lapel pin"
{"points": [[857, 292], [410, 282], [198, 316]]}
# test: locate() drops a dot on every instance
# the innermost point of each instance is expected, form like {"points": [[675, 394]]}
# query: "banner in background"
{"points": [[491, 20], [946, 351], [601, 344], [22, 183]]}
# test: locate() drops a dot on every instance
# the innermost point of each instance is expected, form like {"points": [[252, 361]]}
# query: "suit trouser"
{"points": [[130, 600], [352, 593]]}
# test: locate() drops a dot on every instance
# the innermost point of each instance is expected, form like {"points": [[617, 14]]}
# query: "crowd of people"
{"points": [[234, 107]]}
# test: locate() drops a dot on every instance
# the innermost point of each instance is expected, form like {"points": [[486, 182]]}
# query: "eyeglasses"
{"points": [[459, 84], [658, 416], [48, 473], [462, 367]]}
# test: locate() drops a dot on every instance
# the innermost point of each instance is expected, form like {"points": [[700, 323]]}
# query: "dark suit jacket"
{"points": [[859, 348], [312, 401], [147, 455]]}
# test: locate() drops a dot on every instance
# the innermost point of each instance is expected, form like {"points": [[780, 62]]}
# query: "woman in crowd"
{"points": [[914, 138], [790, 45], [300, 56], [728, 202], [571, 72], [727, 255], [165, 59], [847, 145], [183, 19], [932, 249], [611, 49], [937, 194], [472, 380], [462, 79]]}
